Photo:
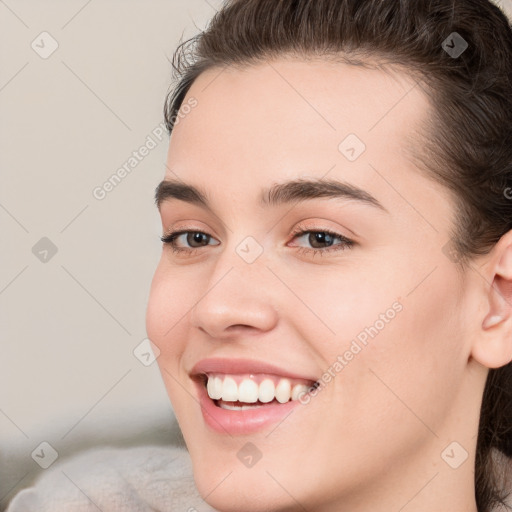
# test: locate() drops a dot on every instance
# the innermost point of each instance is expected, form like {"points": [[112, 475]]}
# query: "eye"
{"points": [[322, 241], [195, 240]]}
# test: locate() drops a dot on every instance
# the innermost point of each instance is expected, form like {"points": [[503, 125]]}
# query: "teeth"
{"points": [[267, 391], [231, 407], [229, 390], [297, 390], [249, 392], [283, 391], [215, 388]]}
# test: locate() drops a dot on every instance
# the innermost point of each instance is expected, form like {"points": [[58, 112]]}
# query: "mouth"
{"points": [[242, 392], [241, 397]]}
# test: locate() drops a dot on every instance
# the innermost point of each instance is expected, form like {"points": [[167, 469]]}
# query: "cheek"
{"points": [[166, 327], [336, 305], [167, 307], [391, 346], [397, 381]]}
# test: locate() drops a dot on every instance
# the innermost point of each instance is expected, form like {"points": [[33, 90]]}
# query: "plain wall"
{"points": [[69, 324]]}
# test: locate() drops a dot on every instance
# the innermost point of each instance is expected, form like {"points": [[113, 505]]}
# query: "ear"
{"points": [[493, 346]]}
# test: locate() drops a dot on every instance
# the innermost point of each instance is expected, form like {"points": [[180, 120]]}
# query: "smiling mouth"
{"points": [[251, 391], [244, 396]]}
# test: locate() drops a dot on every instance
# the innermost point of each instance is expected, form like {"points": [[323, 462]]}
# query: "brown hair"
{"points": [[467, 145]]}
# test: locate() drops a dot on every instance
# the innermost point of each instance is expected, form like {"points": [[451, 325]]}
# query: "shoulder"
{"points": [[142, 478]]}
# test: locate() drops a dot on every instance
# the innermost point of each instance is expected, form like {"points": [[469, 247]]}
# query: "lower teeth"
{"points": [[237, 406]]}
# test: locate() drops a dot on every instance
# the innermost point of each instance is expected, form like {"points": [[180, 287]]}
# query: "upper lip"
{"points": [[235, 366]]}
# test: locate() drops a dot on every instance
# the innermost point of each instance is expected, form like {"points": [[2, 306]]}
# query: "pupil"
{"points": [[197, 238], [322, 238]]}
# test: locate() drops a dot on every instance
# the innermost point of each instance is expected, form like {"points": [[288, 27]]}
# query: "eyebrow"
{"points": [[292, 191]]}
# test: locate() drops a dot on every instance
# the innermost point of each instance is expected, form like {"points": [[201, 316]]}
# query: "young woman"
{"points": [[336, 215], [333, 304]]}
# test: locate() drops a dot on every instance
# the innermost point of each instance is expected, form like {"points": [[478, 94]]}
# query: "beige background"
{"points": [[69, 325]]}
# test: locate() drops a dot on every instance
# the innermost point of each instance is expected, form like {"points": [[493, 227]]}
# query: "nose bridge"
{"points": [[238, 291]]}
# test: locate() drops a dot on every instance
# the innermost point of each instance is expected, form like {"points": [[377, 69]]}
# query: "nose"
{"points": [[237, 300]]}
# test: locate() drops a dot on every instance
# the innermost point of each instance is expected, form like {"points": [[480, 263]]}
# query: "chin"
{"points": [[250, 490]]}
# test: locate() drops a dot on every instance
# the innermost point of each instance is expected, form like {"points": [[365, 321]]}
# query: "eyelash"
{"points": [[170, 238]]}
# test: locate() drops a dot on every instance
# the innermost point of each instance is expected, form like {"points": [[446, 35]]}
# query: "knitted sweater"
{"points": [[140, 479]]}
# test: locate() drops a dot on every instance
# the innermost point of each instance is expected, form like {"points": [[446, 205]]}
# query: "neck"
{"points": [[433, 480]]}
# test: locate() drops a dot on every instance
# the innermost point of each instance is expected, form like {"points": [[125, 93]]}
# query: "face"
{"points": [[307, 334]]}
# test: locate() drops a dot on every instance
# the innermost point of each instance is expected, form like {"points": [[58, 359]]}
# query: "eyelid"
{"points": [[322, 227]]}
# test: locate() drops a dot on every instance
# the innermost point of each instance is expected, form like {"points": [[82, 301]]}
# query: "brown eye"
{"points": [[321, 241], [320, 237], [187, 241], [197, 237]]}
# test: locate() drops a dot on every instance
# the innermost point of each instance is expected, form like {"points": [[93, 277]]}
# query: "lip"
{"points": [[228, 422], [245, 422]]}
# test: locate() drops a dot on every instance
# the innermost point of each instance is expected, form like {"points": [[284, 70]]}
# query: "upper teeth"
{"points": [[248, 391]]}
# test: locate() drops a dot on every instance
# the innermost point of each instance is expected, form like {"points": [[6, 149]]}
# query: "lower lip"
{"points": [[241, 422]]}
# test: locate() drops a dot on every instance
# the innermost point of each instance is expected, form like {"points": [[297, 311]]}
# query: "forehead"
{"points": [[293, 109], [288, 118], [334, 95]]}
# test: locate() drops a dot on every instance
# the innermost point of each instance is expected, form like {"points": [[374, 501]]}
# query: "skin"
{"points": [[373, 438]]}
